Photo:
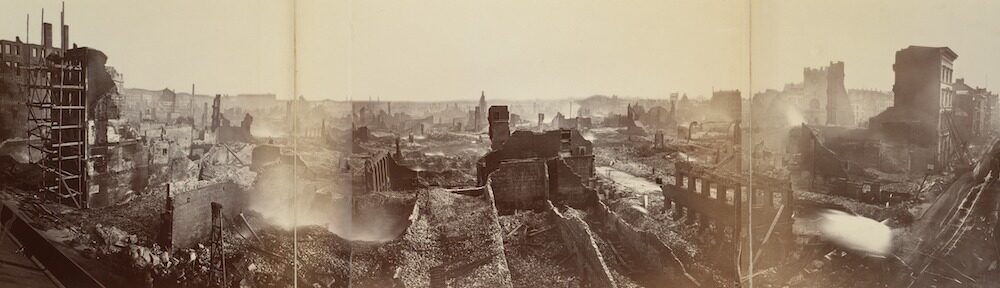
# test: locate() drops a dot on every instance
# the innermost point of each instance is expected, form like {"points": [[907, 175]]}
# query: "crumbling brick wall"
{"points": [[519, 184], [581, 165], [578, 238], [118, 175], [657, 259], [402, 177], [523, 184], [190, 212], [567, 187]]}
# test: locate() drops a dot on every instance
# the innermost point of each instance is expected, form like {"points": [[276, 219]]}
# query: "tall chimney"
{"points": [[65, 37], [47, 35], [64, 34]]}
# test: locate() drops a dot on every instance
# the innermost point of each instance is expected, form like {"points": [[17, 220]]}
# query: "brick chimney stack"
{"points": [[64, 33], [47, 35]]}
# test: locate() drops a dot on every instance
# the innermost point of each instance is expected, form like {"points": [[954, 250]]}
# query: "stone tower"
{"points": [[838, 106]]}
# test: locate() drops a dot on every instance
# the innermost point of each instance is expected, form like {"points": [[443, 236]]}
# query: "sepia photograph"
{"points": [[479, 143]]}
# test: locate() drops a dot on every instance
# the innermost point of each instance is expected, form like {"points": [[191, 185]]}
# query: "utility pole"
{"points": [[812, 178], [191, 104], [878, 151]]}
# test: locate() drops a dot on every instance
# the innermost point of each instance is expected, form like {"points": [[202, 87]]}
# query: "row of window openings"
{"points": [[776, 198], [16, 50], [12, 66], [946, 98], [69, 76]]}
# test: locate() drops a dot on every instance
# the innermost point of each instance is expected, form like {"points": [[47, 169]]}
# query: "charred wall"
{"points": [[118, 174], [189, 213], [523, 184], [519, 184], [568, 187]]}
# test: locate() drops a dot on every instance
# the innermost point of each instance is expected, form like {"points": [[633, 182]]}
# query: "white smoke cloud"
{"points": [[855, 233], [794, 117]]}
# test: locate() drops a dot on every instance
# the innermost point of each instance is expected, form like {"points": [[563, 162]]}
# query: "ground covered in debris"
{"points": [[535, 252], [456, 240], [445, 159]]}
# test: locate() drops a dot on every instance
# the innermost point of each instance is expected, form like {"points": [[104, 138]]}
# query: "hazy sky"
{"points": [[789, 35], [556, 49], [543, 49], [231, 46]]}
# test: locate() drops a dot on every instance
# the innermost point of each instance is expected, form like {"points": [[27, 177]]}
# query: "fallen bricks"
{"points": [[649, 260], [579, 239]]}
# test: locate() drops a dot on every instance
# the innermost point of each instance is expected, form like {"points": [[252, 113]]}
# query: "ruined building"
{"points": [[17, 60], [83, 150], [726, 105], [499, 126], [721, 205], [813, 101], [824, 97], [70, 117], [532, 167], [820, 99], [560, 121], [921, 114], [378, 171], [222, 132], [973, 111], [867, 103], [838, 105]]}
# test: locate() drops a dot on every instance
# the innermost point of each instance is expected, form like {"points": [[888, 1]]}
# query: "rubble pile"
{"points": [[472, 248], [535, 252], [422, 251], [897, 213], [228, 162], [614, 260], [445, 159], [140, 216]]}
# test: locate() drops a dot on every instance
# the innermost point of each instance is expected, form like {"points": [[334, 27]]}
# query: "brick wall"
{"points": [[567, 187], [401, 177], [519, 184], [659, 262], [118, 175], [190, 219], [581, 165]]}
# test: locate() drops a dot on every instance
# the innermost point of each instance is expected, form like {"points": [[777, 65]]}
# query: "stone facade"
{"points": [[922, 102]]}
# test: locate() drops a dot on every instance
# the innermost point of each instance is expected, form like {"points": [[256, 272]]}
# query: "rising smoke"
{"points": [[327, 203], [13, 111], [856, 233]]}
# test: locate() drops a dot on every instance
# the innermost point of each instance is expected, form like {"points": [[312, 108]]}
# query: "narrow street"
{"points": [[637, 184]]}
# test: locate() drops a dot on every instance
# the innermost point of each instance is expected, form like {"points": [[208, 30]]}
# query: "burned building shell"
{"points": [[532, 167]]}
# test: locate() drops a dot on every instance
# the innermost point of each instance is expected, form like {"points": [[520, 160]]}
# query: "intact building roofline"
{"points": [[947, 52]]}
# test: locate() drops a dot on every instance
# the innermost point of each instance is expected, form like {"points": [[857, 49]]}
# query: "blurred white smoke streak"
{"points": [[855, 233]]}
